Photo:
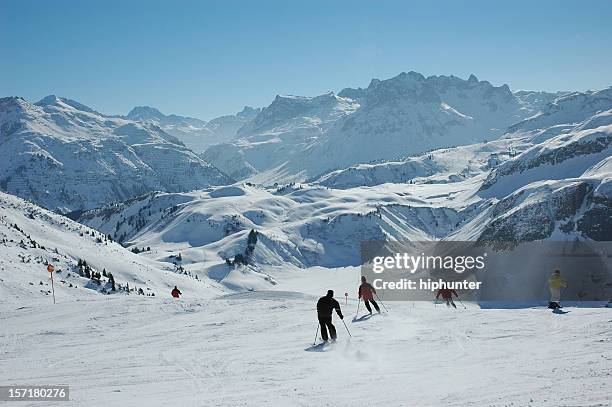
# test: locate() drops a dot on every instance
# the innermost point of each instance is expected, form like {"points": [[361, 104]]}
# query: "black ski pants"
{"points": [[449, 302], [326, 323], [367, 304]]}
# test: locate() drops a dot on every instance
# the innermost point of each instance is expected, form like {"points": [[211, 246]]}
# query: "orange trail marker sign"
{"points": [[50, 269]]}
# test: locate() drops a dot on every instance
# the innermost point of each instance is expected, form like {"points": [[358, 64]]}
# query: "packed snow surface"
{"points": [[255, 349], [244, 336]]}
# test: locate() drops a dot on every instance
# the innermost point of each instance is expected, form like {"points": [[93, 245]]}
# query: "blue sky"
{"points": [[208, 58]]}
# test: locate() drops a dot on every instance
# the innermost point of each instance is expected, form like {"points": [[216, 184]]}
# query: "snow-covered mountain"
{"points": [[300, 225], [279, 135], [569, 115], [511, 189], [195, 133], [437, 166], [32, 237], [535, 101], [310, 225], [297, 138], [563, 113], [551, 169], [227, 127], [151, 114], [560, 157], [65, 156]]}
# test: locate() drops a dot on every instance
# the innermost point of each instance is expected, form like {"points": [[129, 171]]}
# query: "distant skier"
{"points": [[366, 291], [325, 307], [176, 293], [555, 284], [447, 295]]}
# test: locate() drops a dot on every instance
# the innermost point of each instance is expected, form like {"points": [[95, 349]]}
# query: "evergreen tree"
{"points": [[112, 281], [252, 239], [251, 242]]}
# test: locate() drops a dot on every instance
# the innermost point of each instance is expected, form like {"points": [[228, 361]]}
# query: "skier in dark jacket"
{"points": [[366, 291], [176, 292], [447, 296], [325, 307]]}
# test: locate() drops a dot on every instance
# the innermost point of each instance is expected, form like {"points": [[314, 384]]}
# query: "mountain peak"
{"points": [[14, 104], [248, 112], [144, 112], [48, 100], [18, 100], [53, 100]]}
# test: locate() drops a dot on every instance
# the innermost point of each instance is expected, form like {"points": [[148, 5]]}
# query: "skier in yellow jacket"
{"points": [[555, 284]]}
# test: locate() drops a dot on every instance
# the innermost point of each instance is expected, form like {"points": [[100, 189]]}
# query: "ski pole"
{"points": [[358, 308], [383, 304], [347, 330], [317, 334], [464, 307]]}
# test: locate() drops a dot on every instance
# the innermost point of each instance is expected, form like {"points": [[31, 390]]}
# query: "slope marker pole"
{"points": [[51, 269]]}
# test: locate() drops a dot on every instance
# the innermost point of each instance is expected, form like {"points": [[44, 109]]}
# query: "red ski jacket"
{"points": [[175, 293], [366, 291], [446, 293]]}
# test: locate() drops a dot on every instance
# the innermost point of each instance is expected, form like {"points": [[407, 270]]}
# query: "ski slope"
{"points": [[254, 349], [31, 237]]}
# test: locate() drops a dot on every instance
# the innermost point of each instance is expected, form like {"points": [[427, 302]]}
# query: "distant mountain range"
{"points": [[296, 138], [196, 134], [552, 182], [65, 156], [409, 158]]}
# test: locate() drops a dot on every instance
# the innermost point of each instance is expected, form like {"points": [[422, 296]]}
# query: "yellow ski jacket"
{"points": [[556, 281]]}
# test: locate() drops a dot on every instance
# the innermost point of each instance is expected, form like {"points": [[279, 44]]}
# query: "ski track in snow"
{"points": [[251, 349]]}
